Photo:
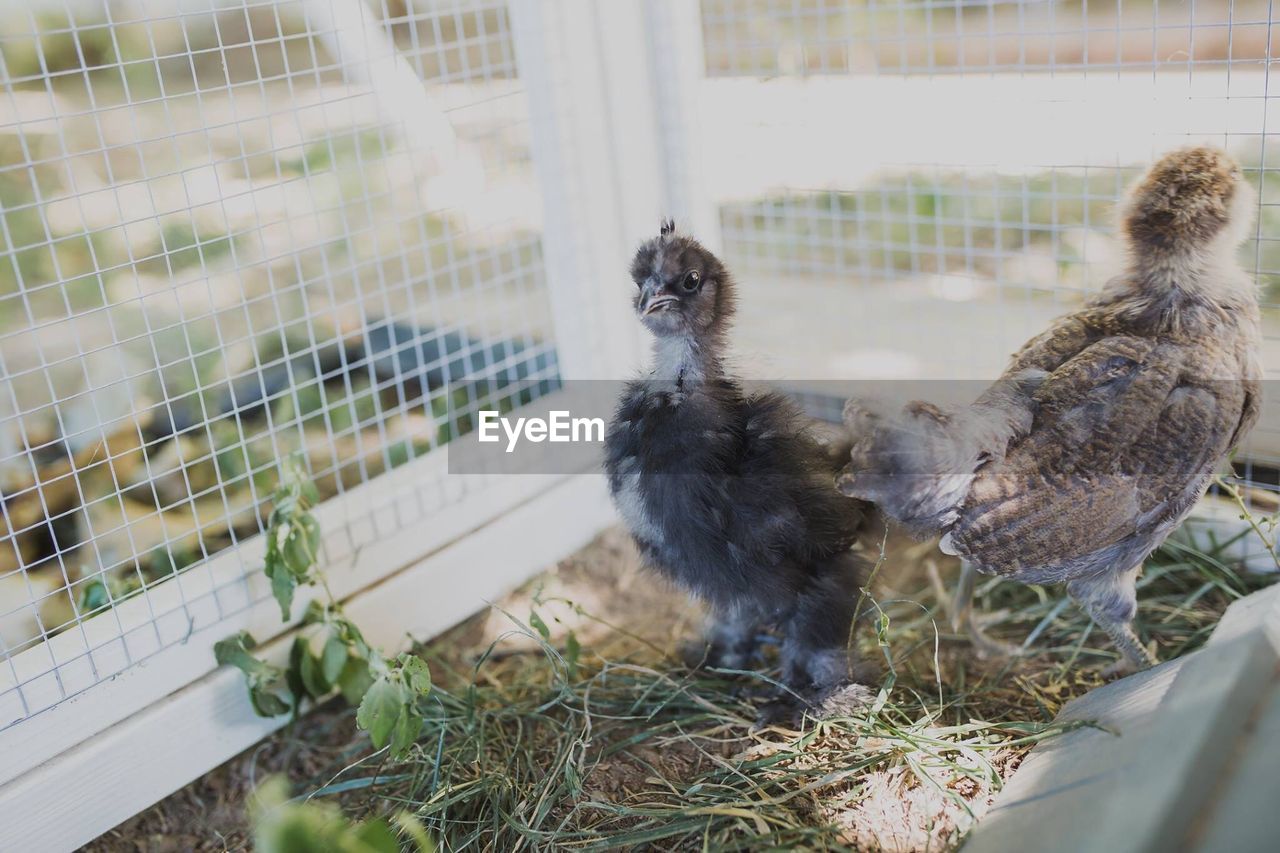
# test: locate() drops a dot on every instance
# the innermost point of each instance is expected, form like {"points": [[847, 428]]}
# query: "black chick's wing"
{"points": [[786, 482]]}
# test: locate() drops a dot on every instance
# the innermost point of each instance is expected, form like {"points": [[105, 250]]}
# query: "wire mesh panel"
{"points": [[910, 190], [235, 231]]}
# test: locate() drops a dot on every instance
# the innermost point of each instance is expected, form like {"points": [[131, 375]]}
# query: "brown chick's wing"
{"points": [[1065, 339], [917, 464], [1125, 440]]}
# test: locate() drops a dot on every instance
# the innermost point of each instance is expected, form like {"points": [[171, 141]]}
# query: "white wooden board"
{"points": [[1185, 757]]}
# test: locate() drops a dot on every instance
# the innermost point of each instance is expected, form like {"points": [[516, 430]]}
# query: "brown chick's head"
{"points": [[1191, 200], [681, 288]]}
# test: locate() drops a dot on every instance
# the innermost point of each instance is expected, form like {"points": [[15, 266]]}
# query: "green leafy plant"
{"points": [[268, 687], [285, 826], [293, 534], [329, 652], [388, 711]]}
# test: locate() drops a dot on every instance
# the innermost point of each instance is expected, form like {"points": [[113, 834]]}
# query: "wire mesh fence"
{"points": [[916, 188], [232, 232]]}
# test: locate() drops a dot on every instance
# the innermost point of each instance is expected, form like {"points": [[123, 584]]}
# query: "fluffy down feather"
{"points": [[727, 493]]}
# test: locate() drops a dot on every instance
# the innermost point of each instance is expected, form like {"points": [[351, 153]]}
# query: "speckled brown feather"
{"points": [[1149, 388], [1125, 439]]}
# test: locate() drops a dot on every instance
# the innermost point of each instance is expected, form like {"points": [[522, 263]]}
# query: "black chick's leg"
{"points": [[1111, 599], [817, 646], [730, 642], [963, 620]]}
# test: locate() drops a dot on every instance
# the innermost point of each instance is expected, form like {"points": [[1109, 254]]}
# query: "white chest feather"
{"points": [[631, 505]]}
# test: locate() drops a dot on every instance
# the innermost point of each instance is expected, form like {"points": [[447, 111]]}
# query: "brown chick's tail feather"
{"points": [[912, 464], [917, 465]]}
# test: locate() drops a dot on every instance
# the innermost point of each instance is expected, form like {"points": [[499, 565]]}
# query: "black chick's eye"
{"points": [[692, 281]]}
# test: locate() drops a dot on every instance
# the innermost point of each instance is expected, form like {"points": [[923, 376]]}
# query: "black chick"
{"points": [[727, 493], [1107, 428]]}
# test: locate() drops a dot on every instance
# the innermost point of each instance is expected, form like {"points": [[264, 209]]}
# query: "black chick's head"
{"points": [[682, 289]]}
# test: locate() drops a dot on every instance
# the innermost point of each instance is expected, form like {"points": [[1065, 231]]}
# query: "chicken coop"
{"points": [[239, 232]]}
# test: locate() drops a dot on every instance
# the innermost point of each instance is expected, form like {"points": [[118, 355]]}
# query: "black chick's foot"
{"points": [[784, 711], [788, 709], [742, 653]]}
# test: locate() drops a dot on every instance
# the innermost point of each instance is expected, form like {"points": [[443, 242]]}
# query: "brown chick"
{"points": [[1107, 428]]}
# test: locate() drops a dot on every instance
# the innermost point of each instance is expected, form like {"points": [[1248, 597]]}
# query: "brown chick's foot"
{"points": [[963, 621], [985, 647], [1134, 657], [1111, 600]]}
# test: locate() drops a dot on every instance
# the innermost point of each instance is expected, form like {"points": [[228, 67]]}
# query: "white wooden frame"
{"points": [[74, 770], [86, 790]]}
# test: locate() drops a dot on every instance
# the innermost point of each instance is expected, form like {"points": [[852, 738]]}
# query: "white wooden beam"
{"points": [[674, 29], [1171, 744], [595, 147]]}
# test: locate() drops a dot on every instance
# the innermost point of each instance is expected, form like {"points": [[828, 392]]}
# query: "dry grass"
{"points": [[592, 736]]}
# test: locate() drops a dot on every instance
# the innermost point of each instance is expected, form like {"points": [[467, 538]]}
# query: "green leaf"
{"points": [[315, 613], [376, 836], [234, 651], [573, 779], [355, 680], [309, 670], [269, 701], [282, 586], [94, 595], [268, 692], [308, 492], [416, 673], [311, 533], [293, 549], [284, 507], [408, 725], [541, 627], [379, 710], [334, 658], [572, 652], [351, 635]]}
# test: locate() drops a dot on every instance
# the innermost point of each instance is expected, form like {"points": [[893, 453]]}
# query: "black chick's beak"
{"points": [[654, 298]]}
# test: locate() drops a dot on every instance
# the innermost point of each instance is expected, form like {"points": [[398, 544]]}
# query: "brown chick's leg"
{"points": [[963, 620], [1111, 600]]}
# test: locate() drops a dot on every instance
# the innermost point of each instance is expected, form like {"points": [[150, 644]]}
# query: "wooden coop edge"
{"points": [[1148, 777], [103, 781]]}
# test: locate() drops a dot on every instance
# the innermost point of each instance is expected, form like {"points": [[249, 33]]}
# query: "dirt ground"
{"points": [[629, 607], [605, 578]]}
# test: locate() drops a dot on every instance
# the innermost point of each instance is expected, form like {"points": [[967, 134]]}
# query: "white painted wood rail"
{"points": [[1188, 756]]}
